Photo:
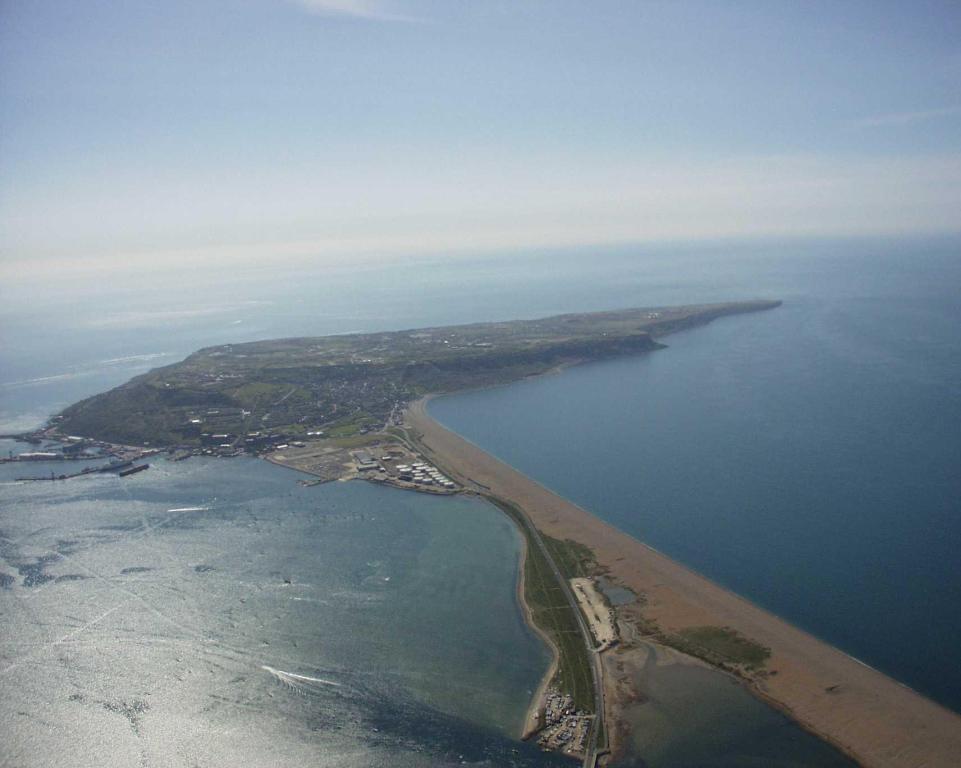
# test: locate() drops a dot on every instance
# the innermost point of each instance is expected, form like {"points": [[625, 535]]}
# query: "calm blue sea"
{"points": [[807, 457]]}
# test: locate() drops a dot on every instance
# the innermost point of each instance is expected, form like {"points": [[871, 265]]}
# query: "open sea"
{"points": [[808, 458]]}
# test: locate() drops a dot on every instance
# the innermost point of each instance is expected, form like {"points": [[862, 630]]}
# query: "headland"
{"points": [[257, 396]]}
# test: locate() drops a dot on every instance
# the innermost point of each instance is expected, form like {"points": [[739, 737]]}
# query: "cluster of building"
{"points": [[68, 447], [35, 456], [423, 474], [565, 728], [391, 468], [367, 463], [230, 444]]}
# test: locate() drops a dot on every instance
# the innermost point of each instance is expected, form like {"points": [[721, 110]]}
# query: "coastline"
{"points": [[867, 715], [529, 726], [551, 670]]}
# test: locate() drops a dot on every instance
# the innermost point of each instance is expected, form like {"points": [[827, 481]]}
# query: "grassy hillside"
{"points": [[352, 383]]}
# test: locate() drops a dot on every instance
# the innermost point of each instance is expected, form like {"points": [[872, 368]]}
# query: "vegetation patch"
{"points": [[359, 441], [553, 614], [722, 644], [572, 558], [352, 425], [349, 383]]}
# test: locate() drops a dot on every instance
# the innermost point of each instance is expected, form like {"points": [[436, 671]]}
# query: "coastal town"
{"points": [[380, 459], [253, 396]]}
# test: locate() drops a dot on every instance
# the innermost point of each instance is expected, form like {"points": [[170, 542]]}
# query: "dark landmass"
{"points": [[253, 396]]}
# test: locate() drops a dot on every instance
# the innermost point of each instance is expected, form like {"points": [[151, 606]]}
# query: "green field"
{"points": [[721, 646], [351, 425], [348, 383], [552, 612], [572, 558]]}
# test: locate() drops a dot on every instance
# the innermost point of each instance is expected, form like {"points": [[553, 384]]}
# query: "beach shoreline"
{"points": [[529, 727], [870, 717]]}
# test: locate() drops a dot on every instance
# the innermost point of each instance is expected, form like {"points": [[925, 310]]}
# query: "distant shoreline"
{"points": [[874, 719], [257, 396]]}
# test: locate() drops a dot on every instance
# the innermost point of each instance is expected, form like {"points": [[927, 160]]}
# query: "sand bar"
{"points": [[870, 716]]}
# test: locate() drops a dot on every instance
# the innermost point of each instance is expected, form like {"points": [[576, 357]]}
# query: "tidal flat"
{"points": [[690, 714]]}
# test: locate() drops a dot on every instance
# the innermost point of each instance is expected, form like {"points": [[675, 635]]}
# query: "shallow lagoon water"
{"points": [[690, 715], [218, 612], [217, 609]]}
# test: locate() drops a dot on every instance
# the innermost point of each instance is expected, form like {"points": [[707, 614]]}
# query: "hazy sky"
{"points": [[186, 129]]}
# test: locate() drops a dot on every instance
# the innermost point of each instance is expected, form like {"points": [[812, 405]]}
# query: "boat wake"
{"points": [[301, 683]]}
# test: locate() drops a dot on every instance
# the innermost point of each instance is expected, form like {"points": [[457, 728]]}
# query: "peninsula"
{"points": [[254, 395], [307, 403]]}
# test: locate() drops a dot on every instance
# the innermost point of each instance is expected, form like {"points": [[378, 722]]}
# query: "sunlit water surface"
{"points": [[218, 613]]}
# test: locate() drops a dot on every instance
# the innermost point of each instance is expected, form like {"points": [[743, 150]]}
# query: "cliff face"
{"points": [[450, 374], [353, 383]]}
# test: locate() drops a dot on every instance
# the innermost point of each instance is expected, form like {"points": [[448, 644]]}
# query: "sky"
{"points": [[248, 130]]}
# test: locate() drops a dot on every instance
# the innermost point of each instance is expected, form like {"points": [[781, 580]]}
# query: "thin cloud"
{"points": [[905, 118], [371, 10]]}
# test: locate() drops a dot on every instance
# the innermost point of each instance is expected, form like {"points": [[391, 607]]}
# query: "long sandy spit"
{"points": [[873, 718]]}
